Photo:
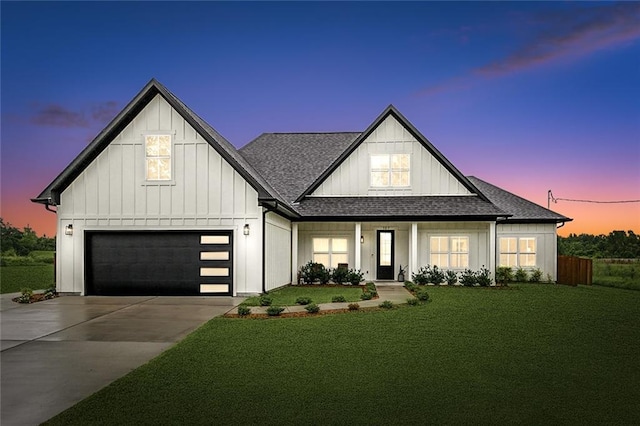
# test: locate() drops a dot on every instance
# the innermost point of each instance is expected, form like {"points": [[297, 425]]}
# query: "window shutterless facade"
{"points": [[449, 252], [390, 170], [158, 157], [518, 252], [330, 251]]}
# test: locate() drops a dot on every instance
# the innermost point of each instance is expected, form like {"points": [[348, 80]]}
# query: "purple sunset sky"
{"points": [[528, 96]]}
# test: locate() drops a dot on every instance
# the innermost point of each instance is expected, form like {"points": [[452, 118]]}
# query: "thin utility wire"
{"points": [[555, 200]]}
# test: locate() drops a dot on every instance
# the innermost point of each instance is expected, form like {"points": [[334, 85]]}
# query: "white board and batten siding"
{"points": [[546, 243], [205, 193], [277, 251], [427, 175]]}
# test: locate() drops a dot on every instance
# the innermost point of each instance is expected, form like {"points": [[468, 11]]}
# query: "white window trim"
{"points": [[450, 251], [167, 182], [389, 171], [330, 251], [517, 252]]}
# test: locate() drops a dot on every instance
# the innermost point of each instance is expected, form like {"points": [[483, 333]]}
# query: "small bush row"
{"points": [[505, 274], [313, 272], [369, 291], [434, 275]]}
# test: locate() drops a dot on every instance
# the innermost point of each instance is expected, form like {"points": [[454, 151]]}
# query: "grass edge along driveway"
{"points": [[533, 354]]}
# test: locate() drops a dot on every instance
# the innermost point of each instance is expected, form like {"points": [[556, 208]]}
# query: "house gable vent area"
{"points": [[159, 263]]}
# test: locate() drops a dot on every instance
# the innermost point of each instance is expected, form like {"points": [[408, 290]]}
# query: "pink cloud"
{"points": [[571, 34], [60, 116], [557, 36]]}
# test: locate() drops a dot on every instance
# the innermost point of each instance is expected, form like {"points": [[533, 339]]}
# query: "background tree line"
{"points": [[21, 243], [616, 245]]}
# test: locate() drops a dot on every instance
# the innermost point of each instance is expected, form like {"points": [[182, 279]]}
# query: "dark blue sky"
{"points": [[530, 96]]}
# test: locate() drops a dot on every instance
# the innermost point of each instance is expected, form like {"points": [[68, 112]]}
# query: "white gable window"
{"points": [[158, 157], [449, 252], [518, 252], [330, 251], [390, 170]]}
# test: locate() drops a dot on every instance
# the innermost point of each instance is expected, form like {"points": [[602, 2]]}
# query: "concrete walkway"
{"points": [[394, 293], [57, 352]]}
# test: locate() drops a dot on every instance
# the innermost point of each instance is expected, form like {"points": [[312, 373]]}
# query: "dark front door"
{"points": [[384, 269]]}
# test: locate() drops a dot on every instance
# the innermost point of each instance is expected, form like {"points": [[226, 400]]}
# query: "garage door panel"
{"points": [[156, 263]]}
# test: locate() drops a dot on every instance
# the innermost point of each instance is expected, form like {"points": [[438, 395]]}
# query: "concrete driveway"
{"points": [[57, 352]]}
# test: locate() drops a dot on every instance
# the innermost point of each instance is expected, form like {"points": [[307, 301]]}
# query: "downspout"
{"points": [[48, 204]]}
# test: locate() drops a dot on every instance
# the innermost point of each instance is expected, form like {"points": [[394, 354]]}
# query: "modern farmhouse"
{"points": [[159, 203]]}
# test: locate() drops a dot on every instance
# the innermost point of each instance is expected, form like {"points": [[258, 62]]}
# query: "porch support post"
{"points": [[294, 253], [358, 250], [413, 251], [492, 249]]}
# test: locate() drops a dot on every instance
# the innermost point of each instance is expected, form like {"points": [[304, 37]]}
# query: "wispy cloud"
{"points": [[59, 116], [558, 36], [571, 34]]}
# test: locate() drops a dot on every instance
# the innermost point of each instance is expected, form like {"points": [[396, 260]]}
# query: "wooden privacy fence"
{"points": [[574, 270]]}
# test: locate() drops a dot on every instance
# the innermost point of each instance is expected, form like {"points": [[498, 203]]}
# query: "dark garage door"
{"points": [[159, 263]]}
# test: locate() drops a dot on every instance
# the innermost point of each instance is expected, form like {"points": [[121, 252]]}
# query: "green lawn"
{"points": [[287, 296], [620, 275], [530, 354], [15, 278]]}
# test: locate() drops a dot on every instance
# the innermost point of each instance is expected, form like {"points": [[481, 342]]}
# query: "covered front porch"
{"points": [[381, 249]]}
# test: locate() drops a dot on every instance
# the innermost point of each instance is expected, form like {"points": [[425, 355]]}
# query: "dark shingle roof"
{"points": [[522, 210], [427, 207], [292, 161]]}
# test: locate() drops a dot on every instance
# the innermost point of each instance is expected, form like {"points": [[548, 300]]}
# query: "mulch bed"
{"points": [[302, 314], [37, 297]]}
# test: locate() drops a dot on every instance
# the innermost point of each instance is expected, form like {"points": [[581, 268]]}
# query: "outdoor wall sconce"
{"points": [[245, 230], [361, 239], [68, 230]]}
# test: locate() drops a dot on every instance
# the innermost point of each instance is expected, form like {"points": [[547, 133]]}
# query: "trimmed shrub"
{"points": [[338, 299], [366, 296], [244, 310], [354, 276], [521, 275], [312, 308], [422, 295], [423, 275], [468, 278], [266, 300], [387, 304], [410, 286], [536, 276], [274, 311], [303, 300], [413, 301], [371, 288], [339, 275], [451, 277], [483, 277], [353, 306], [437, 275], [504, 275], [312, 272], [25, 297], [50, 292]]}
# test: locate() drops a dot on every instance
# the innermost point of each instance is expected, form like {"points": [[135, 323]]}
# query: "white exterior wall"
{"points": [[206, 194], [277, 251], [478, 233], [479, 241], [546, 244], [427, 177]]}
